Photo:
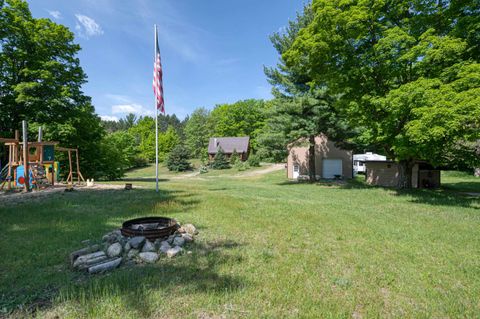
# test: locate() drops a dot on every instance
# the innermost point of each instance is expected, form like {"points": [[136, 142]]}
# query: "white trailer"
{"points": [[360, 159]]}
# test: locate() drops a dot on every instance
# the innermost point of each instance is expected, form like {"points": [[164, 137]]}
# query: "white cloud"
{"points": [[131, 108], [87, 27], [54, 13], [109, 118]]}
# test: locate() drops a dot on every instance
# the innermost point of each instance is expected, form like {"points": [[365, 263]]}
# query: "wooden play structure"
{"points": [[32, 164]]}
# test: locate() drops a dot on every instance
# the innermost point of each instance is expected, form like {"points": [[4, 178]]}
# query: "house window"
{"points": [[296, 168]]}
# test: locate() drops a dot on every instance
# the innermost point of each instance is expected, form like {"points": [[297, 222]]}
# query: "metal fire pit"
{"points": [[149, 227]]}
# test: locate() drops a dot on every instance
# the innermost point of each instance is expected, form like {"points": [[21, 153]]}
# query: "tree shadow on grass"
{"points": [[344, 184], [439, 198], [448, 195], [39, 234], [356, 184], [472, 187]]}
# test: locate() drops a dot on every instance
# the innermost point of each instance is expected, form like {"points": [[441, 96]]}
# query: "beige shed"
{"points": [[331, 162]]}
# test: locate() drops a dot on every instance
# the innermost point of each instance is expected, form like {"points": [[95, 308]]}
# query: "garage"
{"points": [[332, 168], [330, 160]]}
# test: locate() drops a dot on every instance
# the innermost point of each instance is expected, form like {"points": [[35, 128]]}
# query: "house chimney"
{"points": [[215, 142]]}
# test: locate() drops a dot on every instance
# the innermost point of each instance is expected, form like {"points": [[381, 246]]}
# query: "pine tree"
{"points": [[234, 158], [177, 160], [220, 160], [301, 109]]}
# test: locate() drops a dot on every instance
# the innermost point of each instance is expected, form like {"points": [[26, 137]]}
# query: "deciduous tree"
{"points": [[243, 118], [403, 70], [301, 109], [197, 132], [41, 82]]}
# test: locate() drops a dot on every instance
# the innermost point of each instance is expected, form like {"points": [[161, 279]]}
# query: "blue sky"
{"points": [[213, 51]]}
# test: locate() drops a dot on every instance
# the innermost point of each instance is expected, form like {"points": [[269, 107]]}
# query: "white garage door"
{"points": [[332, 167]]}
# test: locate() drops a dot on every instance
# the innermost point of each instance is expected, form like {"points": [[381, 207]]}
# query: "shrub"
{"points": [[235, 158], [204, 159], [220, 160], [177, 160], [140, 162], [242, 166], [253, 161], [203, 169]]}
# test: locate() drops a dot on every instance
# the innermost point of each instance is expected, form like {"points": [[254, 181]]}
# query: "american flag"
{"points": [[157, 78]]}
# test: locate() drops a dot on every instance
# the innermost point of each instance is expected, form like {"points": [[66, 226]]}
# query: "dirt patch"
{"points": [[189, 175], [19, 196], [259, 172], [270, 169]]}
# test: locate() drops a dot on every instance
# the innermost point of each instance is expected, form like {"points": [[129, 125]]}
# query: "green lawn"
{"points": [[460, 181], [149, 171], [267, 248], [165, 175]]}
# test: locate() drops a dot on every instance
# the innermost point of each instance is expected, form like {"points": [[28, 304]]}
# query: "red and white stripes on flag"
{"points": [[157, 78]]}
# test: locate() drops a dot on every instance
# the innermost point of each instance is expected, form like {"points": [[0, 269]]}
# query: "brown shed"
{"points": [[386, 173], [331, 161]]}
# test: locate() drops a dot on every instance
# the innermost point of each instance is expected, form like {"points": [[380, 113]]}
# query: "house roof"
{"points": [[228, 144]]}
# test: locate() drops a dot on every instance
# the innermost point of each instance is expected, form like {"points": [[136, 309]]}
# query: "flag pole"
{"points": [[156, 119]]}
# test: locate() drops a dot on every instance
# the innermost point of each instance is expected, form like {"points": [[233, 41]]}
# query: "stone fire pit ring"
{"points": [[150, 227]]}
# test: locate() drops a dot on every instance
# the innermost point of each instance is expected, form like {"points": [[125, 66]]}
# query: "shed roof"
{"points": [[228, 144], [380, 161]]}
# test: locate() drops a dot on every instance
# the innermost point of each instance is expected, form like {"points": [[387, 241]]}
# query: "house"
{"points": [[229, 144], [330, 161], [360, 159], [386, 173]]}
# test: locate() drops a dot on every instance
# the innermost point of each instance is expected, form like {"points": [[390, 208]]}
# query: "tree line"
{"points": [[132, 140], [401, 78]]}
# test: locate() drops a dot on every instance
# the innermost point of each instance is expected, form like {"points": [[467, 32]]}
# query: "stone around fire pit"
{"points": [[119, 249], [148, 257], [170, 239], [137, 242], [190, 229], [112, 264], [178, 241], [133, 253], [112, 237], [172, 252], [164, 247], [148, 247], [187, 237], [114, 250]]}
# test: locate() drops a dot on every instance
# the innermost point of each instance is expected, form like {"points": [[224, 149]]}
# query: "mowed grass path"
{"points": [[266, 249]]}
